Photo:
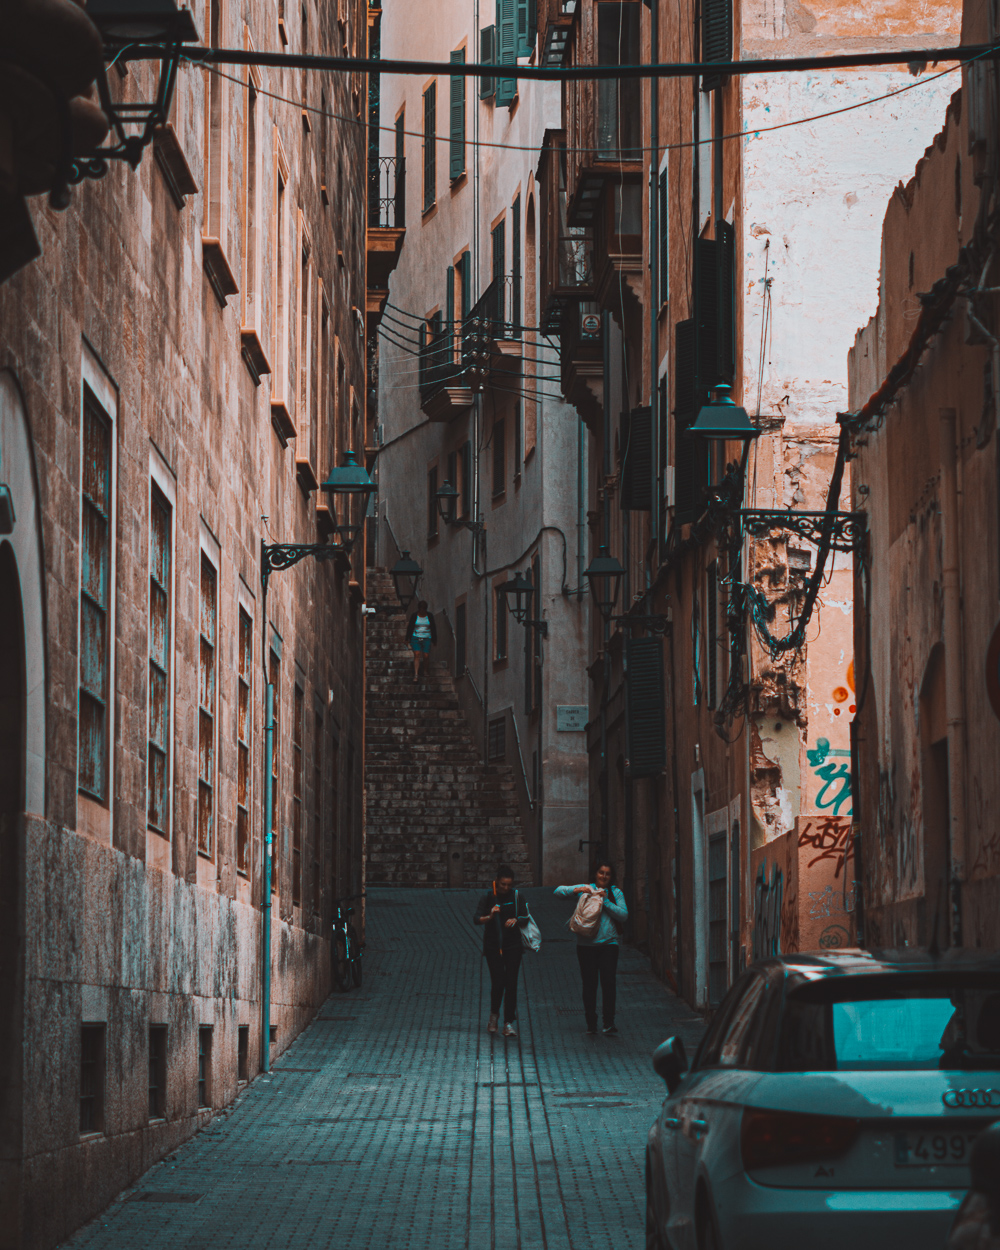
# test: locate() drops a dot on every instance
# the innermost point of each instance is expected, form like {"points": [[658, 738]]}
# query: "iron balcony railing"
{"points": [[387, 192], [458, 352]]}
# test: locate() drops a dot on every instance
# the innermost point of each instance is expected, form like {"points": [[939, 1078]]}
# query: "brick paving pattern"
{"points": [[396, 1122]]}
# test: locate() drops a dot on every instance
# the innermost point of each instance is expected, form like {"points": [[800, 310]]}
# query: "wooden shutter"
{"points": [[646, 736], [526, 23], [716, 36], [637, 460], [400, 220], [706, 315], [506, 49], [465, 265], [430, 146], [690, 455], [664, 223], [457, 118], [726, 303], [487, 56], [514, 314], [449, 299]]}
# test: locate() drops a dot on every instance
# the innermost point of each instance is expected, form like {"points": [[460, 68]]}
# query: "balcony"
{"points": [[386, 228], [568, 276], [444, 386]]}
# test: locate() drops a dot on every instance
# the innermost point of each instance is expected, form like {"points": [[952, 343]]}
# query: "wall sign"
{"points": [[571, 717]]}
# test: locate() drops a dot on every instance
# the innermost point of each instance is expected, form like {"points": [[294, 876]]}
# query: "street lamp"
{"points": [[447, 501], [352, 484], [131, 30], [723, 419], [517, 594], [406, 575], [604, 576]]}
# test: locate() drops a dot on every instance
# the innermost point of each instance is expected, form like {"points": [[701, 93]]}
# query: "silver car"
{"points": [[832, 1103]]}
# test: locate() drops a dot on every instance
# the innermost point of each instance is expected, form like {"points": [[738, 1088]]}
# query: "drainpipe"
{"points": [[954, 684], [605, 532], [655, 415], [266, 903]]}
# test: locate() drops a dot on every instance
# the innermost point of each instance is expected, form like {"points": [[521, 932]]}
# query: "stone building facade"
{"points": [[925, 375], [178, 371]]}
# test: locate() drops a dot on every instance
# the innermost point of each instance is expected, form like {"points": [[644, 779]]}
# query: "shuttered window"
{"points": [[716, 37], [506, 49], [487, 56], [465, 277], [526, 25], [206, 707], [430, 146], [160, 556], [400, 194], [274, 677], [712, 632], [515, 268], [297, 714], [244, 662], [499, 456], [637, 460], [645, 720], [456, 148], [95, 600], [690, 454], [619, 115], [663, 212]]}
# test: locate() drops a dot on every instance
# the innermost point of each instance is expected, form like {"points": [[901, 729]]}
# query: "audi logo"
{"points": [[971, 1098]]}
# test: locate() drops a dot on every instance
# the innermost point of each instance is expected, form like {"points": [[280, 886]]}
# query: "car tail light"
{"points": [[770, 1138]]}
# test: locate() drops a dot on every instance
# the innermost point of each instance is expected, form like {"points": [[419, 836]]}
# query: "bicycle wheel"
{"points": [[342, 966]]}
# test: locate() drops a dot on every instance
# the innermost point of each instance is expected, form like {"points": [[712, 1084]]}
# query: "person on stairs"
{"points": [[503, 914], [421, 634], [598, 954]]}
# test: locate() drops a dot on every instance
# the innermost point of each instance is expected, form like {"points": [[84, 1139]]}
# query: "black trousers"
{"points": [[598, 963], [504, 967]]}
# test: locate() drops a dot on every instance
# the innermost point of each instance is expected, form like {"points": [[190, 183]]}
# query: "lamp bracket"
{"points": [[277, 556], [849, 529], [656, 623]]}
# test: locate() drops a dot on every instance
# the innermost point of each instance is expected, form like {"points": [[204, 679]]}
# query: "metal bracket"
{"points": [[847, 530], [277, 556]]}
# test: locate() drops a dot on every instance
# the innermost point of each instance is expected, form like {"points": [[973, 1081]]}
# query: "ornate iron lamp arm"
{"points": [[277, 556]]}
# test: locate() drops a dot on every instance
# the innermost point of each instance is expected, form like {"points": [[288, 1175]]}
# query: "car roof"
{"points": [[806, 966]]}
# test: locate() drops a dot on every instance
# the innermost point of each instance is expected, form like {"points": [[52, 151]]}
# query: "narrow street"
{"points": [[396, 1121]]}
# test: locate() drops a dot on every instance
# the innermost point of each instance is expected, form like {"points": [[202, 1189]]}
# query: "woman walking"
{"points": [[598, 953], [421, 634], [503, 914]]}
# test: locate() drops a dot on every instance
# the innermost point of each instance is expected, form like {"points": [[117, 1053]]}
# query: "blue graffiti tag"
{"points": [[830, 774]]}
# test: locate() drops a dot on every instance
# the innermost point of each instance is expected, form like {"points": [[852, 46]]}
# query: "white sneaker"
{"points": [[492, 1026], [509, 1030]]}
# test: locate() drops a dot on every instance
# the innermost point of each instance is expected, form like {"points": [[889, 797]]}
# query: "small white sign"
{"points": [[571, 717]]}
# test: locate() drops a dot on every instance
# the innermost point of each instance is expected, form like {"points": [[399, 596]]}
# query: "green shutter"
{"points": [[506, 50], [526, 26], [430, 146], [449, 297], [465, 262], [716, 36], [636, 441], [645, 719], [690, 454], [457, 145], [487, 56], [663, 201], [726, 239], [706, 317]]}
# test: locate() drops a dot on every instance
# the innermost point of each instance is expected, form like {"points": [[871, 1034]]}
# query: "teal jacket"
{"points": [[614, 909]]}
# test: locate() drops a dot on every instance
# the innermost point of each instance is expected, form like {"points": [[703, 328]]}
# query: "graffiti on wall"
{"points": [[835, 790], [768, 894], [829, 840]]}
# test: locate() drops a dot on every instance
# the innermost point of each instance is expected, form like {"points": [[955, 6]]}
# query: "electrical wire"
{"points": [[518, 147]]}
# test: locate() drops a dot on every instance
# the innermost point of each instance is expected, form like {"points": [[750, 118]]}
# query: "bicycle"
{"points": [[348, 949]]}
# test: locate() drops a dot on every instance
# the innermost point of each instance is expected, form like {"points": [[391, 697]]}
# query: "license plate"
{"points": [[933, 1149]]}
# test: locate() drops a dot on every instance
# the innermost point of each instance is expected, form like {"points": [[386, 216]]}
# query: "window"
{"points": [[432, 505], [205, 1066], [496, 742], [527, 22], [515, 269], [400, 195], [214, 131], [498, 239], [430, 144], [92, 1078], [95, 600], [663, 211], [506, 48], [160, 591], [252, 320], [280, 327], [518, 440], [306, 410], [499, 456], [464, 271], [274, 676], [456, 150], [157, 1071], [244, 661], [206, 708], [459, 639], [500, 626], [618, 100], [487, 53], [243, 1053], [297, 714]]}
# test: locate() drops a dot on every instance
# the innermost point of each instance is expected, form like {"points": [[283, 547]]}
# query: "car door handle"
{"points": [[671, 1121]]}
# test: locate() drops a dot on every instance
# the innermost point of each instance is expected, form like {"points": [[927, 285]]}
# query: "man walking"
{"points": [[503, 914]]}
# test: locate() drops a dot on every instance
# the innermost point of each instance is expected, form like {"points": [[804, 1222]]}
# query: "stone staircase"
{"points": [[435, 813]]}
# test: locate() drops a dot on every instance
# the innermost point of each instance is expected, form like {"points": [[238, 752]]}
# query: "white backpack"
{"points": [[531, 935], [585, 920]]}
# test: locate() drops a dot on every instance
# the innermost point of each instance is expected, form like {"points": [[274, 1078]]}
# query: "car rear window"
{"points": [[874, 1025]]}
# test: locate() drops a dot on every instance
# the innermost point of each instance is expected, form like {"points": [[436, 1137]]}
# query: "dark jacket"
{"points": [[494, 934], [411, 624]]}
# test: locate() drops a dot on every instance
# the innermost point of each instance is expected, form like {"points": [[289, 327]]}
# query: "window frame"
{"points": [[429, 97], [161, 481], [244, 748], [209, 562]]}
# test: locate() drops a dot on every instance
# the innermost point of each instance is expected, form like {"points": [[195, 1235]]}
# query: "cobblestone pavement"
{"points": [[395, 1121]]}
